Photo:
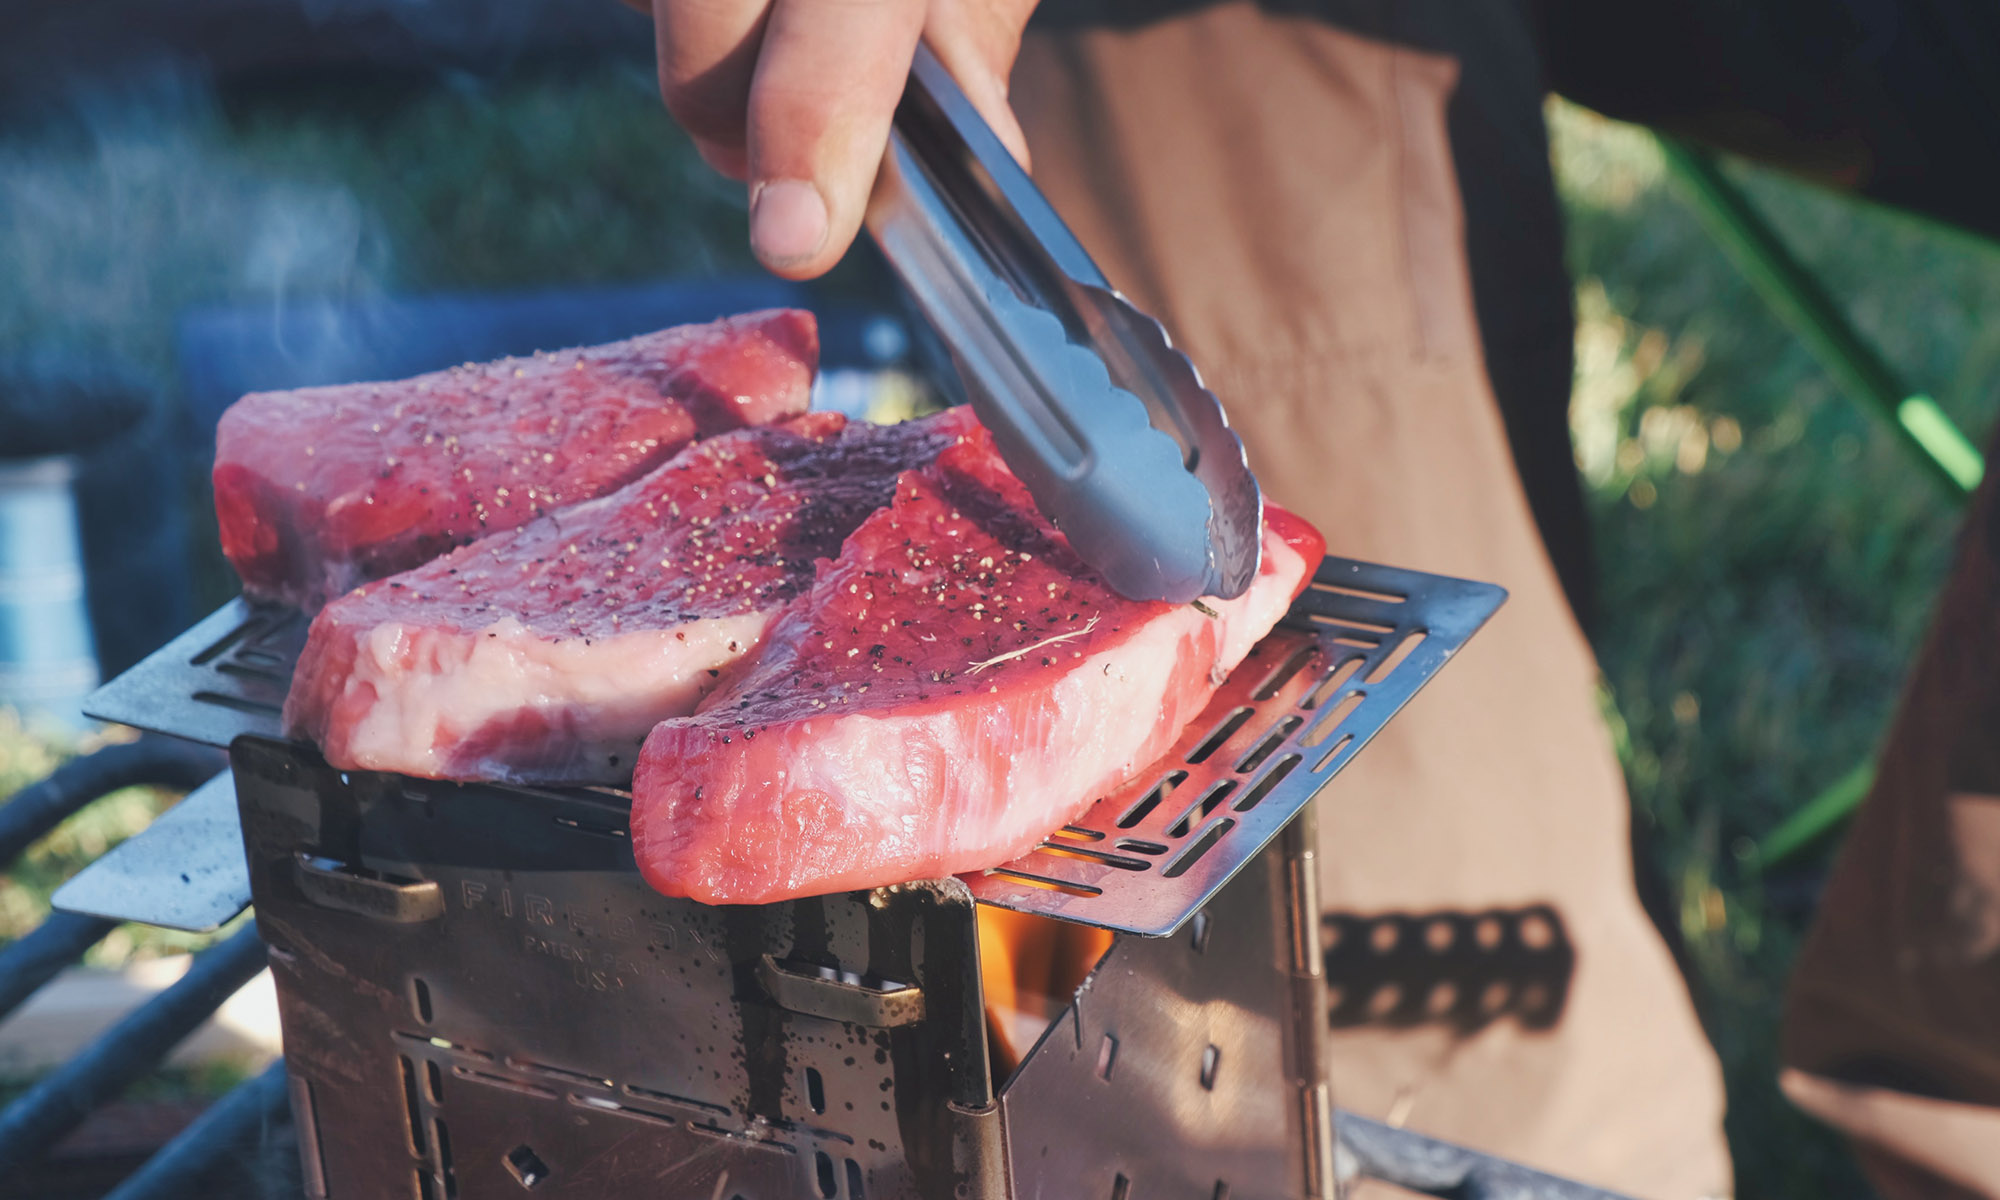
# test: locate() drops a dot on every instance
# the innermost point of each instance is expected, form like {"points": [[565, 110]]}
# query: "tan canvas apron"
{"points": [[1282, 194]]}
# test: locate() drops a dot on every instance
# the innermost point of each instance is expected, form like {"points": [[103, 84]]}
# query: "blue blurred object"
{"points": [[226, 352], [132, 502], [96, 524], [47, 664]]}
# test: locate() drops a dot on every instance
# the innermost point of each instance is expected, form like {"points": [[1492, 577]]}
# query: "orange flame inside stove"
{"points": [[1029, 969]]}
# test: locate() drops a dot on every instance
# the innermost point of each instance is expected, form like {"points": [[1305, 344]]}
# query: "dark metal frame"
{"points": [[476, 986], [1373, 1150]]}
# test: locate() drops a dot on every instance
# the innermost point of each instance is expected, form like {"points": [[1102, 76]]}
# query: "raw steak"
{"points": [[319, 489], [548, 652], [954, 686]]}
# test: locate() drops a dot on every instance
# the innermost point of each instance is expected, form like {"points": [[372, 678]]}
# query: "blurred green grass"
{"points": [[1769, 554], [27, 755]]}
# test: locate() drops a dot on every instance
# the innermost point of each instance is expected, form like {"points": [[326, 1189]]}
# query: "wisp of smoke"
{"points": [[120, 213]]}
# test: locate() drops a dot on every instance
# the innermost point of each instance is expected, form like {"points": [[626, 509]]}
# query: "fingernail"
{"points": [[787, 221]]}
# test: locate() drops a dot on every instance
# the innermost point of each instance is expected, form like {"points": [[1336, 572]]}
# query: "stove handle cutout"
{"points": [[820, 992], [330, 883]]}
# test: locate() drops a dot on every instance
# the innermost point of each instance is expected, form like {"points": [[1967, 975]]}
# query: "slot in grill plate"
{"points": [[1355, 647], [1353, 650], [225, 677]]}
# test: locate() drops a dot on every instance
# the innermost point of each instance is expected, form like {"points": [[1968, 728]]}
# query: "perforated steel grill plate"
{"points": [[225, 677], [1353, 650]]}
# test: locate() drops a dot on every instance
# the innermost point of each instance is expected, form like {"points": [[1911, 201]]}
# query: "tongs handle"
{"points": [[966, 229], [975, 176]]}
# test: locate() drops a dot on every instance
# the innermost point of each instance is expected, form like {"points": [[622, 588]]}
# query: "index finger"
{"points": [[707, 57], [828, 78]]}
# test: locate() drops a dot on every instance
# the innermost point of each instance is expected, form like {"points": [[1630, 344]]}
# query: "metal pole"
{"points": [[34, 960], [1792, 292], [40, 807], [1818, 817], [233, 1125], [1434, 1168], [61, 1100]]}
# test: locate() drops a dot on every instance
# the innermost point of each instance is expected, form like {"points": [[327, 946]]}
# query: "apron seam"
{"points": [[1399, 142]]}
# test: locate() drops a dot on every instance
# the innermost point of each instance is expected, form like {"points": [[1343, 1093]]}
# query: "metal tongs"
{"points": [[1105, 422]]}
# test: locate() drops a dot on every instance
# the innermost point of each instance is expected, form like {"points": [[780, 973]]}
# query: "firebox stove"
{"points": [[480, 996]]}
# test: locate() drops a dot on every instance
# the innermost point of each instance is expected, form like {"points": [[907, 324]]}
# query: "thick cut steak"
{"points": [[548, 652], [953, 687], [319, 489]]}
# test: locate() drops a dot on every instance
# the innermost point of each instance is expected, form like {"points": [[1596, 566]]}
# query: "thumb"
{"points": [[827, 83]]}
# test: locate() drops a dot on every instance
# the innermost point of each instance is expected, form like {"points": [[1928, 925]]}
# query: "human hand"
{"points": [[794, 97]]}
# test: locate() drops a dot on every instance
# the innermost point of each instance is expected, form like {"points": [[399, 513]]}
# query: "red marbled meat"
{"points": [[952, 688], [548, 652], [319, 489]]}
